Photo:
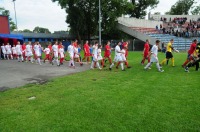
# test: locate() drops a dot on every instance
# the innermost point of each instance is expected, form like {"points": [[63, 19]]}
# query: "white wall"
{"points": [[133, 22], [189, 17]]}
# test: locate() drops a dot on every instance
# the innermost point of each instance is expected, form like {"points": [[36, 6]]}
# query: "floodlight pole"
{"points": [[15, 15], [99, 22]]}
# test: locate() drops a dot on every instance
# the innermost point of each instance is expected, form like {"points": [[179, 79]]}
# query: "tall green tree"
{"points": [[5, 12], [41, 30], [181, 7], [140, 7], [83, 15], [196, 10]]}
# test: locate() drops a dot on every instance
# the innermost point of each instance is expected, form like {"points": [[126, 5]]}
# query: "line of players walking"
{"points": [[193, 57], [55, 54]]}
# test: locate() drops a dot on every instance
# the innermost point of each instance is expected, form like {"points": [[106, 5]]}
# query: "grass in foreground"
{"points": [[134, 100]]}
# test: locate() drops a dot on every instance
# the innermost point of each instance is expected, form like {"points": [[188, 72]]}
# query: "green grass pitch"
{"points": [[131, 100]]}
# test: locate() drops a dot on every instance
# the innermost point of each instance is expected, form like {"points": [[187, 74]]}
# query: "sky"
{"points": [[45, 13]]}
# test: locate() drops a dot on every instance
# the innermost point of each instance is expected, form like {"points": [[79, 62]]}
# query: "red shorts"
{"points": [[47, 56], [87, 54], [107, 55], [146, 55]]}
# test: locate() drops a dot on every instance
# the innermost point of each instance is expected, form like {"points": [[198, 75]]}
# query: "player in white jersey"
{"points": [[19, 52], [37, 52], [62, 54], [8, 51], [118, 57], [154, 57], [47, 53], [14, 52], [55, 53], [29, 52], [77, 55], [99, 56], [95, 56], [70, 50], [3, 49]]}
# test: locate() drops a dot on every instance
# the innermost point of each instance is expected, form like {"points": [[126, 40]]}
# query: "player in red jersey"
{"points": [[125, 47], [86, 52], [190, 52], [24, 51], [51, 52], [146, 52], [107, 53]]}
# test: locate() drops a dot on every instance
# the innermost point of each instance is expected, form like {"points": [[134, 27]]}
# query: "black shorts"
{"points": [[169, 55]]}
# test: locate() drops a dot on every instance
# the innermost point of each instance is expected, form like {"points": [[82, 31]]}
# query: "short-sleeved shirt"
{"points": [[192, 48], [107, 50], [146, 47], [169, 47], [86, 48], [154, 50]]}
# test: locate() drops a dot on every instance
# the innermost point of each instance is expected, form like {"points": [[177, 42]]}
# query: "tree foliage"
{"points": [[196, 10], [181, 7], [140, 7], [5, 12], [83, 15], [41, 30]]}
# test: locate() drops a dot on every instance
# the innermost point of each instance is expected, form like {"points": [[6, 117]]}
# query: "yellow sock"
{"points": [[173, 62], [163, 62]]}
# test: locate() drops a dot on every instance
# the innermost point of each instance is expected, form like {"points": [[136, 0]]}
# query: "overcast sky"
{"points": [[44, 13]]}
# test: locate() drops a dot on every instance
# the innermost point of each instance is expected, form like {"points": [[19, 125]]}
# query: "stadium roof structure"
{"points": [[12, 36]]}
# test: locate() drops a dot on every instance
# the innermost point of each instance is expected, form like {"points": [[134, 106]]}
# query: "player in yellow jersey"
{"points": [[169, 53]]}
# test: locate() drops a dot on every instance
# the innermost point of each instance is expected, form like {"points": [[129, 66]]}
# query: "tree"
{"points": [[140, 7], [181, 7], [196, 10], [41, 30], [83, 15], [5, 12], [27, 31]]}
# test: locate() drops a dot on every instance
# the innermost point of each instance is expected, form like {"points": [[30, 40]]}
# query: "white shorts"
{"points": [[71, 56], [123, 58], [4, 52], [117, 58], [154, 58], [29, 54], [55, 54], [76, 56], [95, 58], [8, 52], [37, 54], [19, 53], [99, 57]]}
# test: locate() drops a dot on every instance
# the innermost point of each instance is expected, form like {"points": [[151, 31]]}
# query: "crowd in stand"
{"points": [[180, 28]]}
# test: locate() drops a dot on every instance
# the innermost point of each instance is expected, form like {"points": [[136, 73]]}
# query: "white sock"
{"points": [[97, 63], [122, 66], [92, 65], [8, 57], [112, 65], [22, 58], [148, 65], [18, 58], [4, 56], [158, 66], [57, 61], [32, 59], [11, 56], [38, 59], [70, 62], [73, 63]]}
